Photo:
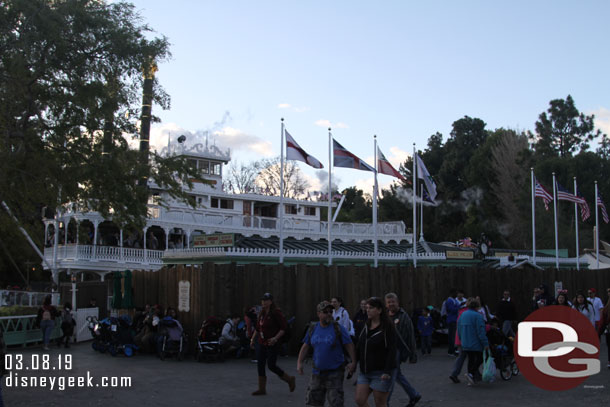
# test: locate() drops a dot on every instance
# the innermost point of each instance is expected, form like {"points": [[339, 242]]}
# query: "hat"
{"points": [[267, 296], [323, 305], [593, 290]]}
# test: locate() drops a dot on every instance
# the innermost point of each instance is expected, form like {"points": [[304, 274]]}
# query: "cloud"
{"points": [[293, 108], [602, 119], [236, 139], [327, 124], [397, 156], [225, 137]]}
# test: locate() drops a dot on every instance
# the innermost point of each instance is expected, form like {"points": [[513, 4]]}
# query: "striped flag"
{"points": [[343, 158], [295, 152], [565, 195], [385, 167], [585, 212], [600, 203], [541, 192]]}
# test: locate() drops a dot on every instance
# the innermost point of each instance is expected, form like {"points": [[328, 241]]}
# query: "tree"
{"points": [[564, 130], [70, 92], [268, 179], [241, 178]]}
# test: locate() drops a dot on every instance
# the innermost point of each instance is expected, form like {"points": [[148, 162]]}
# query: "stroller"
{"points": [[171, 339], [101, 333], [121, 336], [502, 352], [209, 348]]}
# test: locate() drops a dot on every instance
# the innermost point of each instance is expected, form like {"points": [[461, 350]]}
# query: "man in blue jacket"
{"points": [[471, 330], [451, 307]]}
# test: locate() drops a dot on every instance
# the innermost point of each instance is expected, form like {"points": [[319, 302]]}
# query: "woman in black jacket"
{"points": [[376, 353]]}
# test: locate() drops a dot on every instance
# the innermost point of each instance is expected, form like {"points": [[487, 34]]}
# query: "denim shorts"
{"points": [[373, 380]]}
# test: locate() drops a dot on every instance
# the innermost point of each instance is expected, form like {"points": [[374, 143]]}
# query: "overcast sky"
{"points": [[400, 69]]}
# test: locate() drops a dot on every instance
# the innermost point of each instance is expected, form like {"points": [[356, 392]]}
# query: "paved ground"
{"points": [[163, 383]]}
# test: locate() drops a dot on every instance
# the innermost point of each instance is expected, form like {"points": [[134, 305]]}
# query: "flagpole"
{"points": [[576, 222], [596, 228], [421, 214], [281, 210], [414, 209], [375, 247], [533, 217], [555, 217], [330, 167]]}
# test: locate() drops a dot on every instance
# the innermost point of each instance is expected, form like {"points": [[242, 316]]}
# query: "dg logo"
{"points": [[557, 348]]}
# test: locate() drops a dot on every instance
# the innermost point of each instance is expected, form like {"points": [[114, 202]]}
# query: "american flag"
{"points": [[585, 212], [565, 195], [540, 192], [600, 203]]}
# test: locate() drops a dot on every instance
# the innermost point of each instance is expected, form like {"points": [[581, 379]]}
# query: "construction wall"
{"points": [[226, 288]]}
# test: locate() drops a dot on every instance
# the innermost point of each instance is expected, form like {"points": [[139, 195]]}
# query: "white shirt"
{"points": [[598, 305], [342, 317], [588, 312]]}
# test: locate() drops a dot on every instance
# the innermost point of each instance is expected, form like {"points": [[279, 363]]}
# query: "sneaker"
{"points": [[45, 348], [414, 401], [470, 379], [454, 379]]}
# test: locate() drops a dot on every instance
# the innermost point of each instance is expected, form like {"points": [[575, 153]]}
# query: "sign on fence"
{"points": [[184, 296]]}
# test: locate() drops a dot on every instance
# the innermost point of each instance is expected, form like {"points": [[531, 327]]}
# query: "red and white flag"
{"points": [[541, 192], [601, 205], [385, 167], [295, 152]]}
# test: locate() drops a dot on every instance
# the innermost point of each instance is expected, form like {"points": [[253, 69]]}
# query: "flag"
{"points": [[427, 198], [422, 173], [343, 158], [384, 166], [585, 212], [565, 195], [600, 203], [295, 152], [541, 192]]}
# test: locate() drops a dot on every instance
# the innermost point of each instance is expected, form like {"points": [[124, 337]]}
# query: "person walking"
{"points": [[329, 341], [270, 327], [451, 307], [507, 313], [67, 325], [471, 330], [46, 320], [405, 342], [359, 318], [376, 354], [605, 325], [341, 315], [425, 326], [598, 306], [583, 306]]}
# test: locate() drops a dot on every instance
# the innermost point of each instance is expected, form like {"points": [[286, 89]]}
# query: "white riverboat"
{"points": [[219, 220]]}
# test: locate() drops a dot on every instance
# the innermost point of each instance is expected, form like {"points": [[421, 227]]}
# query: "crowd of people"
{"points": [[374, 342]]}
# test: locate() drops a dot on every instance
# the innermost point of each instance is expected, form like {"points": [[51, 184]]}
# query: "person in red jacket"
{"points": [[270, 327]]}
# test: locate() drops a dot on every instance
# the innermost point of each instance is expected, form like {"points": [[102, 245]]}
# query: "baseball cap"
{"points": [[323, 305], [267, 296], [593, 290]]}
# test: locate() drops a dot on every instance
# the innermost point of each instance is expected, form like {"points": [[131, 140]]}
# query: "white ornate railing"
{"points": [[292, 253], [73, 253], [9, 298], [297, 228]]}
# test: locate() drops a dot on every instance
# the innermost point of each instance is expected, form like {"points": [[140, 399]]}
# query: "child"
{"points": [[425, 326]]}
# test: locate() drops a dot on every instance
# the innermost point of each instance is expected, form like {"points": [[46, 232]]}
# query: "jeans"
{"points": [[475, 359], [457, 366], [451, 327], [46, 326], [268, 355], [426, 344], [1, 400], [397, 376]]}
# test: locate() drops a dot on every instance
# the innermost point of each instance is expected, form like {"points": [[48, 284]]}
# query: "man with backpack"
{"points": [[329, 341]]}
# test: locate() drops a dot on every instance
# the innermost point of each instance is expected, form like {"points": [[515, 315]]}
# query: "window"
{"points": [[310, 211], [204, 167], [215, 168], [222, 203], [290, 209]]}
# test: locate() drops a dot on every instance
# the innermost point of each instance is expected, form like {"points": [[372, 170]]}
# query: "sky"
{"points": [[401, 70]]}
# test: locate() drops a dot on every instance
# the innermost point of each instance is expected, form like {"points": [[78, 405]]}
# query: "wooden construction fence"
{"points": [[222, 289]]}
